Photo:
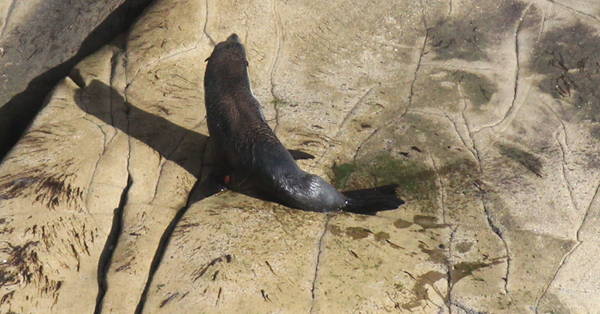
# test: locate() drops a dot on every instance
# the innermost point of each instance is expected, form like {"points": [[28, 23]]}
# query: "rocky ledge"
{"points": [[485, 113]]}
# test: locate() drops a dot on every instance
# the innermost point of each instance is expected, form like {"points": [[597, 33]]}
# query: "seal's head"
{"points": [[228, 59]]}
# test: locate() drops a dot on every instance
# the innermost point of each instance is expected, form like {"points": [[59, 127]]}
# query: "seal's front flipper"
{"points": [[370, 201], [298, 154], [209, 185]]}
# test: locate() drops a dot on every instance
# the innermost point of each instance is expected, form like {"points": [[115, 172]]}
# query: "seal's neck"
{"points": [[228, 72], [240, 82]]}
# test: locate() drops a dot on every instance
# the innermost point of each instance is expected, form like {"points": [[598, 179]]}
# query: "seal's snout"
{"points": [[233, 37]]}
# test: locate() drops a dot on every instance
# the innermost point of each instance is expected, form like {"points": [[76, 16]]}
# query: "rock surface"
{"points": [[39, 42], [485, 113]]}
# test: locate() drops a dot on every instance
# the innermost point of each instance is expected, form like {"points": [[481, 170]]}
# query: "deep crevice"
{"points": [[158, 256], [16, 115], [109, 247], [194, 196]]}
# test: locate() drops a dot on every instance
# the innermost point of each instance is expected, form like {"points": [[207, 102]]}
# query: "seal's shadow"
{"points": [[180, 145], [171, 141]]}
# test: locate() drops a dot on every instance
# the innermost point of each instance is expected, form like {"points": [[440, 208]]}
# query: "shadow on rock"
{"points": [[188, 148], [171, 141], [21, 109]]}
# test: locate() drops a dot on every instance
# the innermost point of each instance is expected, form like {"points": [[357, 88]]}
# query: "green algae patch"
{"points": [[596, 132], [415, 180], [477, 88], [342, 173], [278, 102]]}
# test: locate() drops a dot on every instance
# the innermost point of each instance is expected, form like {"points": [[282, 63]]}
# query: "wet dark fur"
{"points": [[253, 156]]}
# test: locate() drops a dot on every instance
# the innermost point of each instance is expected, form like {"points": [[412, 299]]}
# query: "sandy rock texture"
{"points": [[485, 113], [37, 35], [39, 40]]}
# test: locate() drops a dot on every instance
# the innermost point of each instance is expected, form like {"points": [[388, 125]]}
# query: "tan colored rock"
{"points": [[60, 186], [485, 114], [239, 253], [39, 42]]}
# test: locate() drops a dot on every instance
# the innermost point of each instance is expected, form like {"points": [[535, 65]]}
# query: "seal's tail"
{"points": [[370, 201]]}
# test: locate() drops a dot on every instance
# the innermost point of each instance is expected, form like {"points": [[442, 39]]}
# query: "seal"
{"points": [[253, 157]]}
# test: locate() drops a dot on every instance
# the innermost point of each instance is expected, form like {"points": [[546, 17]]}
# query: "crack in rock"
{"points": [[498, 232], [204, 30], [279, 32], [158, 256], [105, 143], [352, 112], [109, 246], [162, 161], [360, 146], [566, 257], [344, 121], [512, 108], [170, 55], [166, 238], [459, 135], [595, 18], [449, 262], [419, 61], [320, 247], [564, 148], [490, 221], [442, 189], [543, 23], [466, 309], [117, 222], [411, 90]]}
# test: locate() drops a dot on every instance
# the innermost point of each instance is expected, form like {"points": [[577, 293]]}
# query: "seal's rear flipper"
{"points": [[298, 154], [370, 201], [366, 212]]}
